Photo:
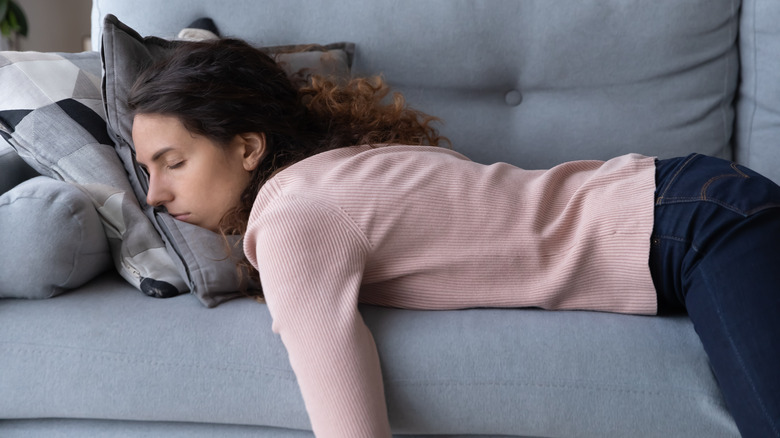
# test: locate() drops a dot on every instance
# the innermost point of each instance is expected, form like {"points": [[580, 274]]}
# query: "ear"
{"points": [[253, 149]]}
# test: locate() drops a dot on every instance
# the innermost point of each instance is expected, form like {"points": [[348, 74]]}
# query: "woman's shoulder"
{"points": [[350, 169], [371, 153], [294, 219]]}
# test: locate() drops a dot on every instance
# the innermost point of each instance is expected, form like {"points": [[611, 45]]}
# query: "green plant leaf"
{"points": [[21, 21], [3, 9], [12, 20]]}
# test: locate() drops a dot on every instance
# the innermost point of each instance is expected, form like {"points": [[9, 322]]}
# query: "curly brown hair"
{"points": [[223, 88]]}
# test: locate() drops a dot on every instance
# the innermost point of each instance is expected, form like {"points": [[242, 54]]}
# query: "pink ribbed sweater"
{"points": [[425, 228]]}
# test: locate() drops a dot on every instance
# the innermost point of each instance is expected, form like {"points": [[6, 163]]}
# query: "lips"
{"points": [[180, 216]]}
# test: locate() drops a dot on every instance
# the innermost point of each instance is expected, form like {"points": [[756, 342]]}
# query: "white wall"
{"points": [[56, 25]]}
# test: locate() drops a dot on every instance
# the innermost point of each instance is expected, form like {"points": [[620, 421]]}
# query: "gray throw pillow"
{"points": [[52, 239], [201, 255]]}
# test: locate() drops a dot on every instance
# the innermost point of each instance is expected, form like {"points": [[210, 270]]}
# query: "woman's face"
{"points": [[195, 179]]}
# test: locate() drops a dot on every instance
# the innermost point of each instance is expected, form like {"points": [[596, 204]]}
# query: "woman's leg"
{"points": [[716, 252]]}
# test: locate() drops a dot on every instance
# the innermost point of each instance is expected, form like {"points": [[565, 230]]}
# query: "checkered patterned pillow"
{"points": [[52, 114]]}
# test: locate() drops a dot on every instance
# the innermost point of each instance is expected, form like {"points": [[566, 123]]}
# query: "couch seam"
{"points": [[566, 386], [117, 358], [754, 104]]}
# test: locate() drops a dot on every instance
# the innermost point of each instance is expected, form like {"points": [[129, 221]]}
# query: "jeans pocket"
{"points": [[700, 178]]}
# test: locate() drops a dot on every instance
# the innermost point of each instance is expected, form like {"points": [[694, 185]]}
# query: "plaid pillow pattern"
{"points": [[52, 114]]}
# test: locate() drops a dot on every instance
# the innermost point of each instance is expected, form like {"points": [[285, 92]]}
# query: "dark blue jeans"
{"points": [[715, 253]]}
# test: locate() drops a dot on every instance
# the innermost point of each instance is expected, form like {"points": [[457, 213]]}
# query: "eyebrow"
{"points": [[159, 154]]}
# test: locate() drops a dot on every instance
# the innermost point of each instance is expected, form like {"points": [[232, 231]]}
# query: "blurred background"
{"points": [[56, 25]]}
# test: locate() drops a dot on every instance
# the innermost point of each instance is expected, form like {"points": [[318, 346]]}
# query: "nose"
{"points": [[158, 194]]}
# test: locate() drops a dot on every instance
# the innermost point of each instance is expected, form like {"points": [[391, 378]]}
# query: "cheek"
{"points": [[231, 184], [240, 184]]}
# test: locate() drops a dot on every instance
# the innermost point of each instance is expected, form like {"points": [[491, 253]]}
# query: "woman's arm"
{"points": [[311, 260]]}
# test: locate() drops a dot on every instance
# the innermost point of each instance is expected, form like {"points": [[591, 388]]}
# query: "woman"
{"points": [[229, 143]]}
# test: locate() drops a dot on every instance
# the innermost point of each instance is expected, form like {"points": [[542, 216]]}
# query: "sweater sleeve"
{"points": [[311, 260]]}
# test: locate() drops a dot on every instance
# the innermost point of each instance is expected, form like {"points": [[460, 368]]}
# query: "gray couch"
{"points": [[531, 82]]}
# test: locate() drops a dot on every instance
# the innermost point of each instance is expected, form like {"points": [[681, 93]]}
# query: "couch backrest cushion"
{"points": [[758, 123], [520, 81]]}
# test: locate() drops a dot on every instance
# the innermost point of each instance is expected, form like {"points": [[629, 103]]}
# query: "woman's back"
{"points": [[436, 230]]}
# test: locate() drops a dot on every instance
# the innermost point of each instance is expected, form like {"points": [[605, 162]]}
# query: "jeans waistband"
{"points": [[697, 178]]}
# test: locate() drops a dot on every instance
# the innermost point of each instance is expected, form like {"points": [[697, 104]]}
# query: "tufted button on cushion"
{"points": [[513, 98]]}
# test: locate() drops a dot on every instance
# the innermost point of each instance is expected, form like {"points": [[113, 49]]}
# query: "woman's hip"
{"points": [[701, 205]]}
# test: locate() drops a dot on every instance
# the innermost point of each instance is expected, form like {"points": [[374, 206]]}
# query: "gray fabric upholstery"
{"points": [[758, 106], [53, 428], [52, 239], [111, 353], [521, 81]]}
